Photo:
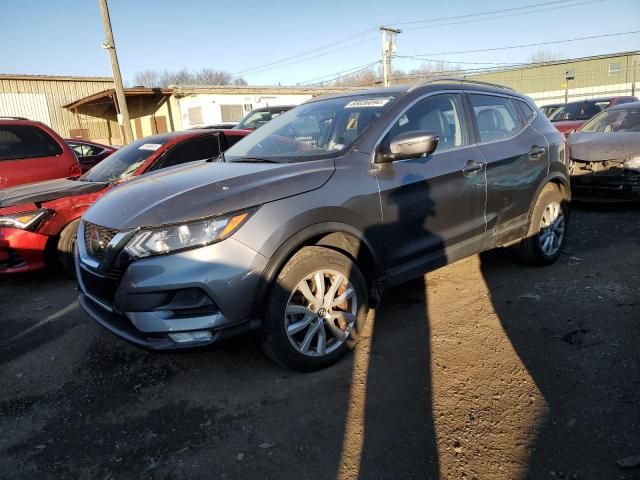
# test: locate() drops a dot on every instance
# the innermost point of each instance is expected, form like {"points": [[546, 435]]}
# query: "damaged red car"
{"points": [[39, 221]]}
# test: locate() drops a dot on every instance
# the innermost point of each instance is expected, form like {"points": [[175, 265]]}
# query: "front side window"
{"points": [[496, 117], [84, 149], [614, 121], [437, 114], [195, 149], [26, 141], [318, 129]]}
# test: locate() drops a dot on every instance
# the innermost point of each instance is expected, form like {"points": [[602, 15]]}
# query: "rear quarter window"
{"points": [[526, 112], [26, 141]]}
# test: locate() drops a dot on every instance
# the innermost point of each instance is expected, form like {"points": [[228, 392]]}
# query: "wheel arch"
{"points": [[335, 235]]}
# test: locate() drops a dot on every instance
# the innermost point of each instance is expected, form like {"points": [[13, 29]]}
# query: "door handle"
{"points": [[473, 168], [536, 151]]}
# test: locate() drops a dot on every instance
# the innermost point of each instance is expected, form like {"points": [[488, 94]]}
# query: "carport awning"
{"points": [[141, 101]]}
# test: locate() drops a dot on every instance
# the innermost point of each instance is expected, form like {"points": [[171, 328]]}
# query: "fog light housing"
{"points": [[188, 337]]}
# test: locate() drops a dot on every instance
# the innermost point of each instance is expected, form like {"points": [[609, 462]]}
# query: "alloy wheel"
{"points": [[321, 313], [552, 228]]}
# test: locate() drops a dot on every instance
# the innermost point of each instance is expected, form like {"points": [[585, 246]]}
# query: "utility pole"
{"points": [[110, 46], [388, 47]]}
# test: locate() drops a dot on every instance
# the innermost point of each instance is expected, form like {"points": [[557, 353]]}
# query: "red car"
{"points": [[89, 153], [32, 152], [42, 218], [570, 116]]}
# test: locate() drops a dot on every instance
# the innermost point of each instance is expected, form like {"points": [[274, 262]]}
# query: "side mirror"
{"points": [[412, 144]]}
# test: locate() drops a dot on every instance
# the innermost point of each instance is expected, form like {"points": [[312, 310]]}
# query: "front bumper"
{"points": [[606, 187], [21, 251], [209, 289]]}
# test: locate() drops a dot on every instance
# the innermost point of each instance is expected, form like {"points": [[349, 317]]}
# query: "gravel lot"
{"points": [[483, 369]]}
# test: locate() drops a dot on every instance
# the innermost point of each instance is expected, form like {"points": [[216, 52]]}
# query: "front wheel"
{"points": [[548, 229], [66, 246], [316, 310]]}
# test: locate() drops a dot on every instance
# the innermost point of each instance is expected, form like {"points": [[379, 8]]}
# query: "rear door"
{"points": [[29, 154], [433, 207], [516, 155]]}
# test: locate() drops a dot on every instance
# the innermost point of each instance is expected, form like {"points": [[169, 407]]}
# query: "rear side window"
{"points": [[26, 141], [496, 117], [190, 150], [526, 112], [84, 149], [233, 139]]}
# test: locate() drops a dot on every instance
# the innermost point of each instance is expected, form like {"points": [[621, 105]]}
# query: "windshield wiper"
{"points": [[255, 160]]}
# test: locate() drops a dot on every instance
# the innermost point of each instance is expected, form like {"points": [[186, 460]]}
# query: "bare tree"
{"points": [[543, 56], [205, 76]]}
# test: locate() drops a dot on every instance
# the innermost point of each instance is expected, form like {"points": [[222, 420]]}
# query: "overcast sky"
{"points": [[63, 37]]}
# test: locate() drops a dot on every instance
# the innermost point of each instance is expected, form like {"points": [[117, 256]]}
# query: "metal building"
{"points": [[42, 97], [574, 79]]}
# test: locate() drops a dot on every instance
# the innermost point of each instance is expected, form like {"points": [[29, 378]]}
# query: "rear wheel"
{"points": [[66, 247], [548, 229], [316, 310]]}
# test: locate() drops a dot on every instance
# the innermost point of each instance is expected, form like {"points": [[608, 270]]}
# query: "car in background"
{"points": [[215, 126], [549, 109], [605, 155], [89, 153], [570, 116], [315, 212], [38, 221], [30, 152], [259, 116]]}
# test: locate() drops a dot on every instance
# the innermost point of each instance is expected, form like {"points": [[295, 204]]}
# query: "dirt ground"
{"points": [[482, 370]]}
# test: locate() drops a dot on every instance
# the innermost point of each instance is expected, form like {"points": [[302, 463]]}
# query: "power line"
{"points": [[524, 45], [337, 75], [298, 58], [458, 62], [478, 14], [504, 16], [323, 47]]}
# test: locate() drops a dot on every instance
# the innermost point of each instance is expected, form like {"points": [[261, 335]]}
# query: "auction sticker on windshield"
{"points": [[369, 102], [150, 146]]}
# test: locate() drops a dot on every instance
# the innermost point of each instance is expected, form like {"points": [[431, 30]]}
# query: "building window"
{"points": [[231, 113], [195, 115], [614, 69]]}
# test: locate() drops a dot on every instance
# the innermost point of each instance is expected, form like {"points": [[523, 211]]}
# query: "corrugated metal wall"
{"points": [[597, 75], [26, 94]]}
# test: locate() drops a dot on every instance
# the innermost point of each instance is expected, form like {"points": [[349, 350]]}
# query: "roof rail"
{"points": [[13, 118], [460, 80]]}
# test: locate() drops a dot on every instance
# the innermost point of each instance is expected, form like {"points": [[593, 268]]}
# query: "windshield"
{"points": [[614, 121], [257, 119], [123, 162], [577, 111], [313, 130]]}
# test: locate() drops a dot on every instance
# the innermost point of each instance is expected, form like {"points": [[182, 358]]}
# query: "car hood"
{"points": [[203, 190], [46, 191], [594, 147]]}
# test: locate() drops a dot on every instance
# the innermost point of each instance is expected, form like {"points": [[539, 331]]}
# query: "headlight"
{"points": [[633, 163], [24, 220], [173, 238]]}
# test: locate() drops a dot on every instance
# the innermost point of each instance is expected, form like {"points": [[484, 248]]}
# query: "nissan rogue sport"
{"points": [[297, 230]]}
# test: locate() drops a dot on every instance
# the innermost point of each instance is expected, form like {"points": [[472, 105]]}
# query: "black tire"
{"points": [[305, 262], [66, 246], [531, 251]]}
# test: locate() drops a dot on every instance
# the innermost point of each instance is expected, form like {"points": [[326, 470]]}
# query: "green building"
{"points": [[575, 79]]}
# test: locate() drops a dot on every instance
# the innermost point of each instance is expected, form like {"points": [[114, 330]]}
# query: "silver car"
{"points": [[297, 231]]}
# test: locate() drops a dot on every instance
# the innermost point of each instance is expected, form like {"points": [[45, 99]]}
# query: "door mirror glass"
{"points": [[414, 144]]}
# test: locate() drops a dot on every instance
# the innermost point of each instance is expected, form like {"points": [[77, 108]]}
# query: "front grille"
{"points": [[99, 287], [96, 239]]}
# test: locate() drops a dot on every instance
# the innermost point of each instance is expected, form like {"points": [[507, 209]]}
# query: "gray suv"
{"points": [[297, 231]]}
